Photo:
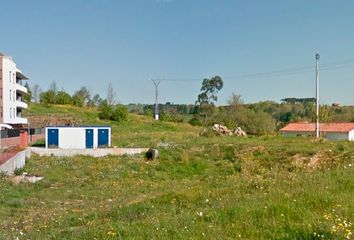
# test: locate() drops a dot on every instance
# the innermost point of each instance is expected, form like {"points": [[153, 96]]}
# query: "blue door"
{"points": [[89, 138], [102, 137], [53, 138]]}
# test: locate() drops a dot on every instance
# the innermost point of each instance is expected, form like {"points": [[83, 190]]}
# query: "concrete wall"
{"points": [[336, 136], [100, 152], [18, 161], [294, 134]]}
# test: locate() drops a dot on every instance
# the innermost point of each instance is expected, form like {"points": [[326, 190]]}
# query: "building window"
{"points": [[10, 76], [10, 112], [14, 78], [14, 112], [10, 95], [14, 96]]}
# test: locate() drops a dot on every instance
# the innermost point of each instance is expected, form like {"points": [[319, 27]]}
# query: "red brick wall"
{"points": [[21, 141], [10, 142], [35, 138]]}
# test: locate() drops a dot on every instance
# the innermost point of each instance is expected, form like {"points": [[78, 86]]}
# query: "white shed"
{"points": [[81, 137], [331, 131]]}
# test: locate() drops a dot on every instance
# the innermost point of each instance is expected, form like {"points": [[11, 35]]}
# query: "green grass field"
{"points": [[201, 187]]}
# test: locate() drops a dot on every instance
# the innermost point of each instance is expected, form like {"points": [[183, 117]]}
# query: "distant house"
{"points": [[332, 131]]}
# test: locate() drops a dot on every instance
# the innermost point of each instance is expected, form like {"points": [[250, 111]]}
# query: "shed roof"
{"points": [[80, 126], [324, 127]]}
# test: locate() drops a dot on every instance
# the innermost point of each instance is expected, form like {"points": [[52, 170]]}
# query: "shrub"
{"points": [[105, 111], [18, 171], [171, 117], [253, 122], [148, 112], [195, 121], [120, 114]]}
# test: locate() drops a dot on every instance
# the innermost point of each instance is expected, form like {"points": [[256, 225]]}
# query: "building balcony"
{"points": [[20, 120], [20, 104], [20, 76], [21, 88], [16, 120]]}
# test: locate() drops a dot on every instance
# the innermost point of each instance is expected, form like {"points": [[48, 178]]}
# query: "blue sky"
{"points": [[94, 42]]}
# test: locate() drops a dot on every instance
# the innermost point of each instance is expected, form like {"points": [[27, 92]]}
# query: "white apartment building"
{"points": [[12, 92]]}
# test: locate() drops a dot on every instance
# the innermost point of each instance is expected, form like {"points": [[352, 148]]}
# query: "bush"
{"points": [[195, 121], [149, 112], [120, 114], [105, 111], [18, 171], [171, 117], [108, 112], [253, 122]]}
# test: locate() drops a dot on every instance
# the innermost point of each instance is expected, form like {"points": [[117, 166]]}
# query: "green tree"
{"points": [[81, 97], [325, 113], [209, 90], [63, 98], [78, 99], [208, 97], [47, 97], [53, 89], [97, 100]]}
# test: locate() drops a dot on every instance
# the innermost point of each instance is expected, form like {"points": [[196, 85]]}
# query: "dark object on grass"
{"points": [[152, 154]]}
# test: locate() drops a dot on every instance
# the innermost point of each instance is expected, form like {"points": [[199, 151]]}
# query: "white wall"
{"points": [[72, 138], [336, 136], [10, 103], [351, 135]]}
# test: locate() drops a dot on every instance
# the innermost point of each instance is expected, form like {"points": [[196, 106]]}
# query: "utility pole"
{"points": [[317, 96], [156, 110]]}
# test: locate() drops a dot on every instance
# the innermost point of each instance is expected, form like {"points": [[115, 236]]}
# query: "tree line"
{"points": [[256, 118], [107, 107]]}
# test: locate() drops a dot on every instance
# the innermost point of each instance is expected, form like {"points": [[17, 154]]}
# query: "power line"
{"points": [[278, 73]]}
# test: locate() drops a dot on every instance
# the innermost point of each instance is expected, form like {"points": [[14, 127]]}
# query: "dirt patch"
{"points": [[25, 178], [315, 160], [318, 160], [53, 120], [300, 161]]}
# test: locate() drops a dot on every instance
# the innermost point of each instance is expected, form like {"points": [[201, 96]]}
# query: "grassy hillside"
{"points": [[138, 131], [201, 187]]}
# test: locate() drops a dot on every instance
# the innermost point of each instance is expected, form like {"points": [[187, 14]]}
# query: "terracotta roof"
{"points": [[324, 127]]}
